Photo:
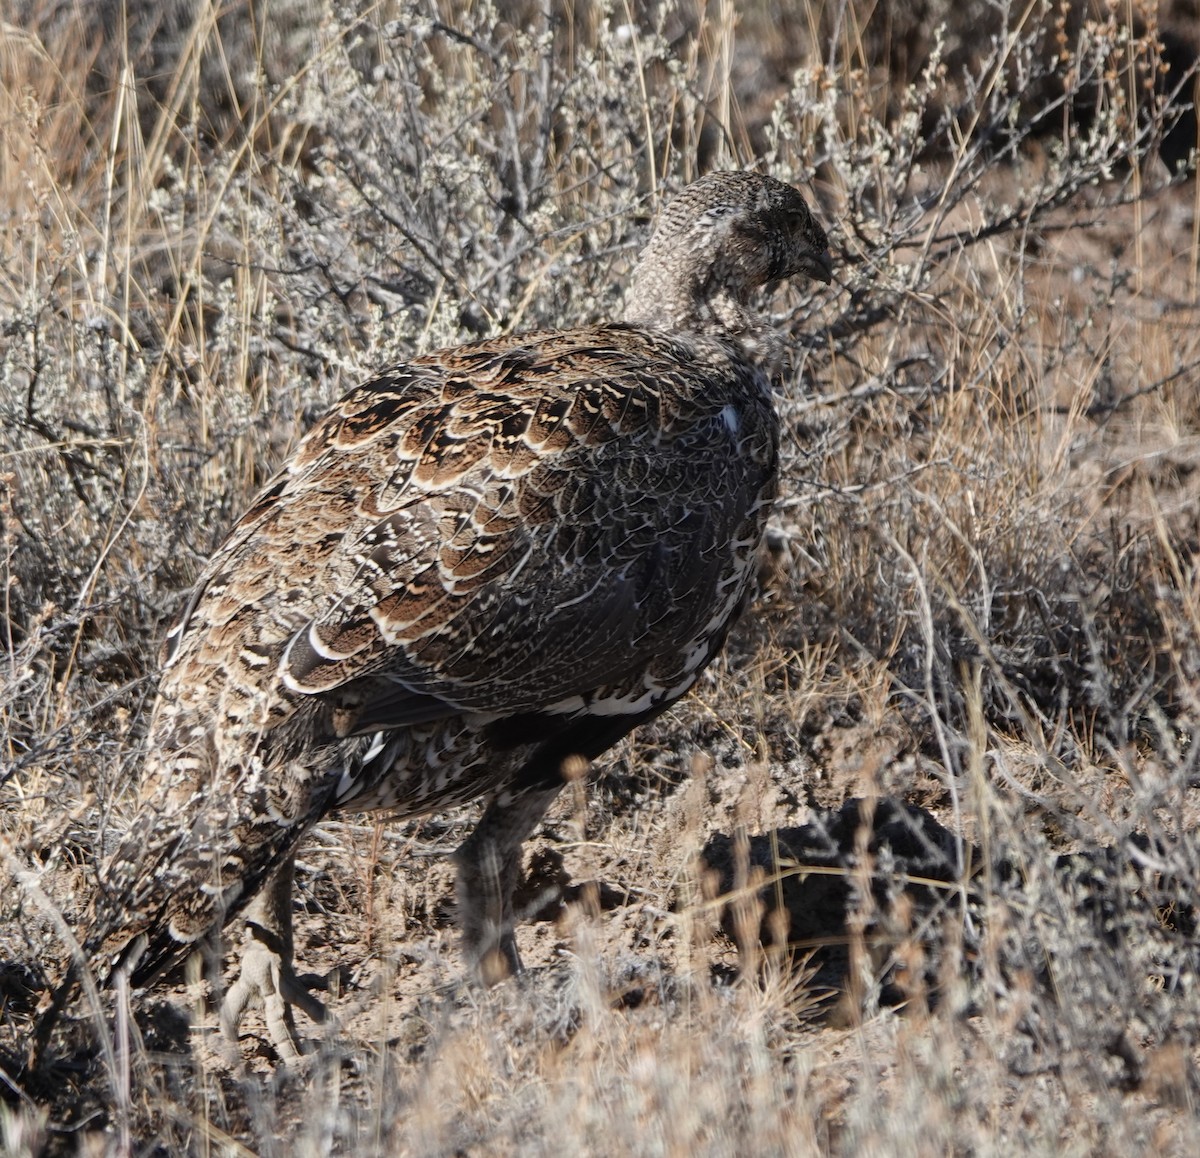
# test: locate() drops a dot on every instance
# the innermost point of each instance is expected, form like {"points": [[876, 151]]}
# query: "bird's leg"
{"points": [[267, 974], [489, 863]]}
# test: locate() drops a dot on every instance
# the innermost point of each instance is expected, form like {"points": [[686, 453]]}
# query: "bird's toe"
{"points": [[269, 981]]}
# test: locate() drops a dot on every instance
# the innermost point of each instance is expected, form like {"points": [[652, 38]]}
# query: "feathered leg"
{"points": [[489, 860], [267, 975], [489, 865]]}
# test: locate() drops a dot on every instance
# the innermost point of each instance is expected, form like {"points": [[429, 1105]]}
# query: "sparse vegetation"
{"points": [[945, 778]]}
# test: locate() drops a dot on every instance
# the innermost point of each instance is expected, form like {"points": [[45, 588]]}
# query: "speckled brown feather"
{"points": [[469, 555]]}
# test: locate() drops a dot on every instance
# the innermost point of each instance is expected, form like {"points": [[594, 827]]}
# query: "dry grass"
{"points": [[981, 601]]}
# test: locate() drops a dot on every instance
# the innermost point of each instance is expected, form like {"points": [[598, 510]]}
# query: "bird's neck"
{"points": [[681, 309]]}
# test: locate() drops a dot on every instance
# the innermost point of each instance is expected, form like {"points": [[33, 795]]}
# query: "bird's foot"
{"points": [[494, 961], [267, 978]]}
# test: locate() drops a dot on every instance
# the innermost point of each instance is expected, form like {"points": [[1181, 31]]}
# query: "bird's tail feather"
{"points": [[174, 881]]}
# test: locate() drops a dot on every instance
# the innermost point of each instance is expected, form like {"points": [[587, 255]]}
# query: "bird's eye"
{"points": [[716, 213]]}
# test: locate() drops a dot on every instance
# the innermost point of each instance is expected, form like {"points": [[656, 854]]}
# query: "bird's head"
{"points": [[716, 244]]}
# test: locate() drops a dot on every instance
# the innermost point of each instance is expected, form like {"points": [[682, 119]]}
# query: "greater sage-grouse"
{"points": [[477, 572]]}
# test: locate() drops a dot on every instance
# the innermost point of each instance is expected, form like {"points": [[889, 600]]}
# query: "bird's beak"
{"points": [[818, 266]]}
